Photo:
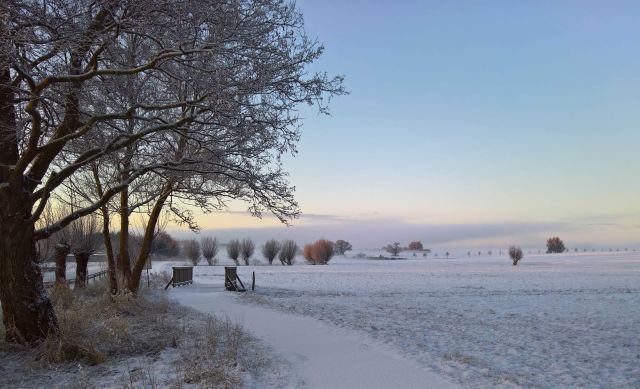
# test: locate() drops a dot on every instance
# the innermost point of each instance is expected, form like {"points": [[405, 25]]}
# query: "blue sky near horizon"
{"points": [[473, 113]]}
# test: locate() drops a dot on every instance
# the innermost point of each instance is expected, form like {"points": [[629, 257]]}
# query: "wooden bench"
{"points": [[231, 280]]}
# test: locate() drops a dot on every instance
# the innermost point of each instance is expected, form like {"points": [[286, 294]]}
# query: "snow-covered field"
{"points": [[565, 320]]}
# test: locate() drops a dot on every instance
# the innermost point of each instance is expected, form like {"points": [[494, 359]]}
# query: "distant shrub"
{"points": [[233, 250], [270, 250], [246, 249], [393, 249], [192, 250], [209, 249], [319, 252], [555, 245], [164, 245], [515, 253], [416, 246], [288, 251], [342, 246], [307, 253], [361, 255]]}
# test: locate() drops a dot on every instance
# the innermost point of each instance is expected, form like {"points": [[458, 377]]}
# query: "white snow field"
{"points": [[564, 320], [321, 355]]}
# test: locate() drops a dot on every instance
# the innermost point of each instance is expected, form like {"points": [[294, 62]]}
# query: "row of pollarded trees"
{"points": [[80, 238], [150, 108], [240, 250], [317, 253]]}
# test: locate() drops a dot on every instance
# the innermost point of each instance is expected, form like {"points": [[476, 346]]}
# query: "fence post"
{"points": [[253, 282]]}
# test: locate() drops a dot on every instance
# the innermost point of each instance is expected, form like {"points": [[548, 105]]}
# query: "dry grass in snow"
{"points": [[143, 342]]}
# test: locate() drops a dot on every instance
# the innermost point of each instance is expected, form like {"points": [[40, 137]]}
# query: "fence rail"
{"points": [[73, 280]]}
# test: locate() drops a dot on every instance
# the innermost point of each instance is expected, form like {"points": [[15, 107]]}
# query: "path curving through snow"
{"points": [[322, 355]]}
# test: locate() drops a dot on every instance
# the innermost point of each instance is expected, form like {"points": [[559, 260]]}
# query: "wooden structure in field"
{"points": [[231, 280], [182, 275]]}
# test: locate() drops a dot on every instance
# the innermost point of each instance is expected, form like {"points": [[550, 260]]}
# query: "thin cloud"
{"points": [[375, 233]]}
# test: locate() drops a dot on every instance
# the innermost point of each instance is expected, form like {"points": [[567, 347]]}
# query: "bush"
{"points": [[342, 246], [307, 253], [233, 250], [416, 246], [209, 249], [192, 250], [515, 253], [555, 245], [319, 253], [270, 250], [246, 249], [164, 245], [288, 252]]}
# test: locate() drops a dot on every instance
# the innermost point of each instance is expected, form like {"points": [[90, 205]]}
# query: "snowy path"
{"points": [[322, 355]]}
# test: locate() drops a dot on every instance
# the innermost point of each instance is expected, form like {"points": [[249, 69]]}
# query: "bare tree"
{"points": [[270, 250], [515, 253], [342, 246], [247, 248], [191, 250], [288, 251], [394, 249], [61, 242], [233, 250], [86, 239], [209, 249], [218, 85]]}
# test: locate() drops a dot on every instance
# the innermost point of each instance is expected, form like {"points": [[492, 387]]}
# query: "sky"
{"points": [[468, 124]]}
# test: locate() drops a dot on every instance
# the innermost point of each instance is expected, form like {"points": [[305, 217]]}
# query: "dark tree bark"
{"points": [[27, 313], [108, 246], [147, 241], [124, 260], [82, 259], [106, 235], [62, 250]]}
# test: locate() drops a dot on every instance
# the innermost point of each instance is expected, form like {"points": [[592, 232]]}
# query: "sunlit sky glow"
{"points": [[469, 123]]}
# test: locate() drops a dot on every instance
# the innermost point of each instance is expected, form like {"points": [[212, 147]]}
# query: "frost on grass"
{"points": [[143, 342], [552, 321]]}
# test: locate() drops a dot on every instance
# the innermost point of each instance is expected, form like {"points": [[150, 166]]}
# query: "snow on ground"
{"points": [[321, 355], [565, 320]]}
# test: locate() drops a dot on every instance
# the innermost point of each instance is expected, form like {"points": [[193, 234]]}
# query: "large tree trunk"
{"points": [[27, 313], [147, 241], [61, 252], [82, 259]]}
